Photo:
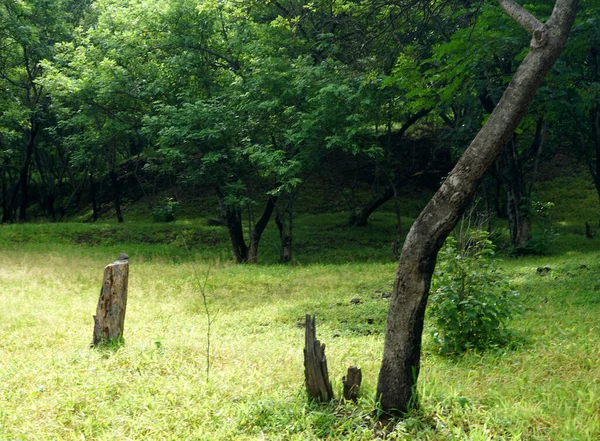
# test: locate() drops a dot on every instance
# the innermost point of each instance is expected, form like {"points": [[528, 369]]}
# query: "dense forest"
{"points": [[105, 100]]}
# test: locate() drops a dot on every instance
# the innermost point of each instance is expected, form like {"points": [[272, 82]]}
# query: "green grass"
{"points": [[155, 387]]}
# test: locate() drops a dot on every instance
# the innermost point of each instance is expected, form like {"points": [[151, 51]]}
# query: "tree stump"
{"points": [[352, 382], [316, 375], [109, 320]]}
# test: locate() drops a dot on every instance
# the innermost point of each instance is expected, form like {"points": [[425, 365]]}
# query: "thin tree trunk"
{"points": [[396, 388], [259, 228], [362, 218], [285, 231], [595, 122], [511, 174], [95, 208], [5, 210], [24, 176], [116, 187], [233, 220]]}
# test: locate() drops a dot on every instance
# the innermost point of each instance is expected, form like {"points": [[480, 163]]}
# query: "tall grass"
{"points": [[53, 386]]}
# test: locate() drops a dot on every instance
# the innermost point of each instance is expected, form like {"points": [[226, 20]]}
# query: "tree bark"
{"points": [[285, 230], [352, 381], [5, 209], [511, 175], [243, 253], [396, 388], [95, 207], [109, 320], [116, 187], [595, 168], [259, 229], [24, 175], [361, 219], [316, 374], [233, 219]]}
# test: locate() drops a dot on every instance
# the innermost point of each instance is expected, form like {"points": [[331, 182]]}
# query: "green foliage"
{"points": [[471, 300], [165, 210], [545, 234]]}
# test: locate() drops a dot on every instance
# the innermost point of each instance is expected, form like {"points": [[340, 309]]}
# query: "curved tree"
{"points": [[396, 389]]}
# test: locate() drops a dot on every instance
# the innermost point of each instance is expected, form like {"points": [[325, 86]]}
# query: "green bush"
{"points": [[543, 236], [471, 300], [165, 210]]}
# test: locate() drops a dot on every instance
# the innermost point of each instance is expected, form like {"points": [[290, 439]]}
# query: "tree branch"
{"points": [[522, 16], [527, 21]]}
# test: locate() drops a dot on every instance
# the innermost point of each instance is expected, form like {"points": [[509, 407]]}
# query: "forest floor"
{"points": [[164, 384]]}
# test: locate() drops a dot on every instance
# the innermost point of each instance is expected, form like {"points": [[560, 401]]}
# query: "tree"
{"points": [[576, 90], [473, 68], [28, 32], [396, 389]]}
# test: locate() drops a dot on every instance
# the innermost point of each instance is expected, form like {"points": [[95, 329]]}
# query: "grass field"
{"points": [[156, 387]]}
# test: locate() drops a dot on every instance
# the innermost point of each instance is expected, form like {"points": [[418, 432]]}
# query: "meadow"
{"points": [[157, 386]]}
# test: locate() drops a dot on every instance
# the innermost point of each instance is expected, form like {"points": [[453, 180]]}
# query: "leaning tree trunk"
{"points": [[396, 388]]}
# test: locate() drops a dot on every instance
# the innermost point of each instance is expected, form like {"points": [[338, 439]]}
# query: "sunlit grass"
{"points": [[156, 387], [53, 386]]}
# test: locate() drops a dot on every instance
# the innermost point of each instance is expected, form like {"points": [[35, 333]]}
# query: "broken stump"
{"points": [[109, 320], [316, 375], [352, 381]]}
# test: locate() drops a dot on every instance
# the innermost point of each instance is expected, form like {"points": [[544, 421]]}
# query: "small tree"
{"points": [[471, 300]]}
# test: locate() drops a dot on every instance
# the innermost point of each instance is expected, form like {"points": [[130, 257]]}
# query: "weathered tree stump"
{"points": [[109, 320], [316, 375], [352, 382]]}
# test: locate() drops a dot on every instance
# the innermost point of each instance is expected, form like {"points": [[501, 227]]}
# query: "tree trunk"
{"points": [[109, 320], [362, 218], [259, 228], [95, 208], [285, 230], [595, 169], [5, 209], [396, 388], [116, 186], [24, 176], [233, 218], [511, 175]]}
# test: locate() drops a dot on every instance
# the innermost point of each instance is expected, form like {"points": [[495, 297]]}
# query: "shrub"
{"points": [[165, 210], [471, 300], [541, 240]]}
